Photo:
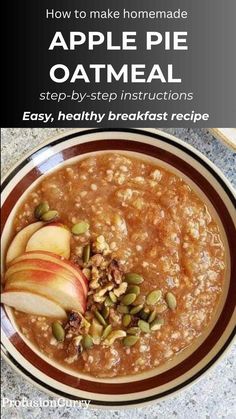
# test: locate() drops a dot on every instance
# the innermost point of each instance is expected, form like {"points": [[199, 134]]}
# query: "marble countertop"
{"points": [[212, 397]]}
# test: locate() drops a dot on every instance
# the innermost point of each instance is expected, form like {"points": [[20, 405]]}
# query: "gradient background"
{"points": [[208, 68]]}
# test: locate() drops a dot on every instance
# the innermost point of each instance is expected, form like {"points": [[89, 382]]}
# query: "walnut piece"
{"points": [[115, 271], [74, 320], [121, 289]]}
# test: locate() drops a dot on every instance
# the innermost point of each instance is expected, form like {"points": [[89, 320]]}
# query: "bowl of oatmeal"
{"points": [[118, 270]]}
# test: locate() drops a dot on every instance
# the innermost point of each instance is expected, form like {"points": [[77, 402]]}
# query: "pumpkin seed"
{"points": [[152, 316], [126, 320], [130, 340], [86, 253], [134, 289], [113, 297], [108, 302], [139, 300], [144, 326], [100, 318], [136, 309], [107, 331], [49, 215], [84, 323], [153, 297], [116, 334], [96, 331], [87, 341], [105, 312], [122, 309], [80, 228], [133, 278], [133, 331], [144, 313], [58, 331], [41, 209], [171, 301], [128, 299], [160, 308], [156, 324]]}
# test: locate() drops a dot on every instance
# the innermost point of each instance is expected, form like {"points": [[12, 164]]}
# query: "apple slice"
{"points": [[31, 303], [52, 238], [44, 266], [66, 264], [66, 293], [18, 244]]}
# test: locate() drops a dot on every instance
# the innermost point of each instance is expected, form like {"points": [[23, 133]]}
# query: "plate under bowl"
{"points": [[209, 182]]}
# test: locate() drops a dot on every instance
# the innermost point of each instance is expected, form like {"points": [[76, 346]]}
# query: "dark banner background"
{"points": [[208, 68]]}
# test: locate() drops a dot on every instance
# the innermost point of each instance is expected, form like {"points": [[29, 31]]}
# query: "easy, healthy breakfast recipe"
{"points": [[116, 265]]}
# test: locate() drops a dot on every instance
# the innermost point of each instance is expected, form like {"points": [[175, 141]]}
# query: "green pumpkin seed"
{"points": [[171, 301], [108, 302], [134, 279], [128, 299], [130, 340], [86, 253], [100, 318], [58, 331], [153, 297], [133, 289], [116, 334], [156, 324], [105, 312], [144, 313], [87, 341], [136, 309], [107, 331], [122, 309], [50, 215], [152, 316], [113, 297], [133, 331], [144, 326], [126, 320], [41, 209], [80, 228], [96, 331]]}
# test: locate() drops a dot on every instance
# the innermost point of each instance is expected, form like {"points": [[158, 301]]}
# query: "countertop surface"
{"points": [[212, 397]]}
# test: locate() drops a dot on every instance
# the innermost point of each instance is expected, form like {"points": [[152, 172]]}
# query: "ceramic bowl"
{"points": [[191, 363]]}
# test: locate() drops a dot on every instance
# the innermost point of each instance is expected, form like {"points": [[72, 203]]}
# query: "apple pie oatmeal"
{"points": [[116, 266]]}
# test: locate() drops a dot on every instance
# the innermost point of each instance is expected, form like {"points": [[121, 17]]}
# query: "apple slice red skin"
{"points": [[44, 266], [60, 290], [20, 298], [42, 254], [19, 242]]}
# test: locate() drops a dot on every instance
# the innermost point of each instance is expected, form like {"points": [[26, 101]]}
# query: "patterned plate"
{"points": [[227, 135], [191, 363]]}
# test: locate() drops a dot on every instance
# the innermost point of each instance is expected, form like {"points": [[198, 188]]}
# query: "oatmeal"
{"points": [[151, 255]]}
